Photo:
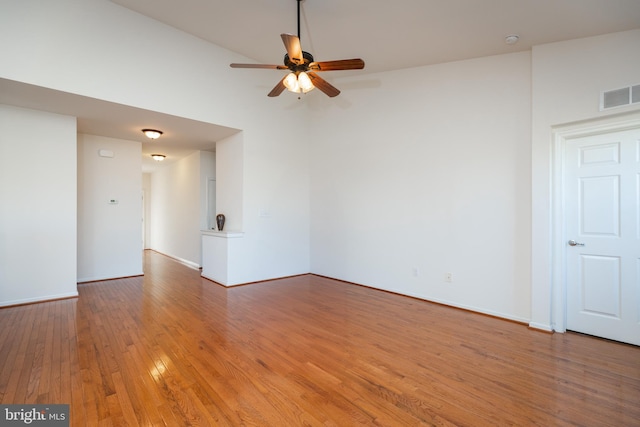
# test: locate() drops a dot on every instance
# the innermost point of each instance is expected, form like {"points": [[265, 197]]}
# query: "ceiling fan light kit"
{"points": [[298, 83], [302, 76]]}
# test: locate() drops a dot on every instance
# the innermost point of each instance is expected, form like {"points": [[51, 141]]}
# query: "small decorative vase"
{"points": [[220, 221]]}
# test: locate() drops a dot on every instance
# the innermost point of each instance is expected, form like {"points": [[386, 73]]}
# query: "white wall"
{"points": [[37, 206], [83, 42], [109, 235], [207, 171], [429, 170], [266, 196], [175, 210], [146, 189], [568, 78], [275, 201], [85, 54], [230, 181]]}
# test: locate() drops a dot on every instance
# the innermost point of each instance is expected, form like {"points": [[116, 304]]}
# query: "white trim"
{"points": [[540, 326], [224, 282], [468, 308], [188, 263], [222, 234], [562, 134], [101, 278], [558, 288], [39, 299]]}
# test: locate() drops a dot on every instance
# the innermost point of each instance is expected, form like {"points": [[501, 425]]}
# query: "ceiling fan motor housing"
{"points": [[307, 59]]}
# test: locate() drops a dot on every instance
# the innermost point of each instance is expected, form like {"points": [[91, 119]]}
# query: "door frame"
{"points": [[561, 135], [211, 216]]}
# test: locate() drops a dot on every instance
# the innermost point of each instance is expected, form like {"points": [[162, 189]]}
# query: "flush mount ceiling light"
{"points": [[152, 133], [158, 157]]}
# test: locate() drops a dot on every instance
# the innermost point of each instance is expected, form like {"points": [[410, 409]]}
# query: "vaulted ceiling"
{"points": [[387, 34], [390, 34]]}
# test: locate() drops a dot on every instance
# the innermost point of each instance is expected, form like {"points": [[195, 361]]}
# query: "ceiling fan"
{"points": [[303, 68]]}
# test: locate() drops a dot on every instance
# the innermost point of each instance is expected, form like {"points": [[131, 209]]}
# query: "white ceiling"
{"points": [[387, 34]]}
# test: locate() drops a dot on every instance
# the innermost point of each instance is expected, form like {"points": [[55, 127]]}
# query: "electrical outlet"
{"points": [[448, 277]]}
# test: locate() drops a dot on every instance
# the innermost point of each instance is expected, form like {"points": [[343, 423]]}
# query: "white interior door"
{"points": [[602, 224]]}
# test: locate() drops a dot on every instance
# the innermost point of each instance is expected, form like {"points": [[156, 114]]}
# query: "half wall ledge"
{"points": [[220, 252]]}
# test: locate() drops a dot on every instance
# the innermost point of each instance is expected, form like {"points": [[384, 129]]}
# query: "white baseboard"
{"points": [[475, 309], [186, 262], [540, 326], [492, 313], [213, 279], [107, 277], [38, 299]]}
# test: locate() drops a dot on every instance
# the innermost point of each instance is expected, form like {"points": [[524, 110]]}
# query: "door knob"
{"points": [[574, 243]]}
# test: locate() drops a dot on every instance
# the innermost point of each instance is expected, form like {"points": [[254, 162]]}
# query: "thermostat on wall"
{"points": [[105, 153], [113, 201]]}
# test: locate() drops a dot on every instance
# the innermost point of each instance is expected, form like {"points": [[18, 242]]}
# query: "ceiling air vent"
{"points": [[635, 94], [620, 97]]}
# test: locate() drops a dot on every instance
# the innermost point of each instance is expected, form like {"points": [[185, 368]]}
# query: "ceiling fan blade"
{"points": [[277, 90], [271, 67], [323, 85], [342, 64], [292, 44]]}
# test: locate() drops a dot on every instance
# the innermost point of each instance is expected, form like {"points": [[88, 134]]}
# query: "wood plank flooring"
{"points": [[171, 348]]}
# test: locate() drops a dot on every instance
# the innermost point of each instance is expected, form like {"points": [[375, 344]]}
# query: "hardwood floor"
{"points": [[171, 348]]}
